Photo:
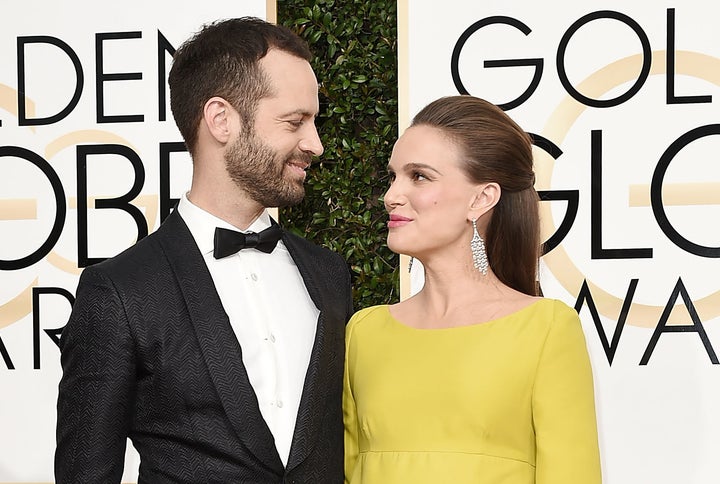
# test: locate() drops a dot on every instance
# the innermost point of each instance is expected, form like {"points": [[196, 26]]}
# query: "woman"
{"points": [[475, 379]]}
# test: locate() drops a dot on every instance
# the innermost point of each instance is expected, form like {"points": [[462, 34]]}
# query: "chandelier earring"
{"points": [[479, 255]]}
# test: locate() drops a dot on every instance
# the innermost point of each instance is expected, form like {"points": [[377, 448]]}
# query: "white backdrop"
{"points": [[90, 74], [637, 147], [627, 101]]}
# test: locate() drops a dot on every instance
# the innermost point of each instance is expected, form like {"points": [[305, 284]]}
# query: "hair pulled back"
{"points": [[496, 149]]}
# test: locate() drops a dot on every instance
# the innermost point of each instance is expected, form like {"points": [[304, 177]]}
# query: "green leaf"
{"points": [[354, 57]]}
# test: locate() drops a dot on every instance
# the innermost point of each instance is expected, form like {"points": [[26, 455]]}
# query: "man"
{"points": [[221, 365]]}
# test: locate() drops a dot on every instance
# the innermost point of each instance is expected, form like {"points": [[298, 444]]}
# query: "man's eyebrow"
{"points": [[302, 112]]}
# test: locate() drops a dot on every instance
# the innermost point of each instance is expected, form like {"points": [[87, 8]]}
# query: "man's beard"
{"points": [[258, 170]]}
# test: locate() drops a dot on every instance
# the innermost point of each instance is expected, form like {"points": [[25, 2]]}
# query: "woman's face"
{"points": [[430, 197]]}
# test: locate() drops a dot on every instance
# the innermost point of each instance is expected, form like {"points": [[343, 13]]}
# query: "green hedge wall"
{"points": [[355, 48]]}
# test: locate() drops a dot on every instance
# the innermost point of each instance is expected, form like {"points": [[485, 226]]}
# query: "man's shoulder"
{"points": [[146, 254]]}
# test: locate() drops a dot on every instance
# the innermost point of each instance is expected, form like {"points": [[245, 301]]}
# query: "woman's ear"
{"points": [[486, 196], [218, 117]]}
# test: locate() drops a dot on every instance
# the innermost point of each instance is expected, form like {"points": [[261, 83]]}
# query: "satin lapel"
{"points": [[219, 346], [307, 424]]}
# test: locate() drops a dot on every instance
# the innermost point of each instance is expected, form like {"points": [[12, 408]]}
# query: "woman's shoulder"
{"points": [[364, 322], [371, 313], [536, 307], [559, 310], [556, 317]]}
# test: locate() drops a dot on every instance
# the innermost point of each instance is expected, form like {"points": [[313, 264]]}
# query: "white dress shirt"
{"points": [[272, 316]]}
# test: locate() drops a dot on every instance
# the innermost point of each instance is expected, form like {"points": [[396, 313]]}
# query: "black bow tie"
{"points": [[228, 242]]}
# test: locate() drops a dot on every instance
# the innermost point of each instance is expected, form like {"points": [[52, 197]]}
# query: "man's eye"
{"points": [[419, 176]]}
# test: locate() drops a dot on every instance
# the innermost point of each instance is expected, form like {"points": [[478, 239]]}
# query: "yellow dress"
{"points": [[509, 401]]}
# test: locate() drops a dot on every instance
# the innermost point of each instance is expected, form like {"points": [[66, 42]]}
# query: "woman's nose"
{"points": [[392, 197]]}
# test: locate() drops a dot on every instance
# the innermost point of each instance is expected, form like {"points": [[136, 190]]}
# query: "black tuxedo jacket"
{"points": [[149, 354]]}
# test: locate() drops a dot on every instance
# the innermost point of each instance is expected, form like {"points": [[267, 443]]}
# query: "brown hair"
{"points": [[496, 149], [222, 60]]}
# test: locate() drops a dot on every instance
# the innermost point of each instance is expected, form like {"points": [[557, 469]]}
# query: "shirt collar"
{"points": [[202, 223]]}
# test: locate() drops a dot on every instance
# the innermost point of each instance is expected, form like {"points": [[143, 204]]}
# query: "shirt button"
{"points": [[279, 404], [272, 338], [254, 276]]}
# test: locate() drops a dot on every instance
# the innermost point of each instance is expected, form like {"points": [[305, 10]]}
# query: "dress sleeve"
{"points": [[564, 406], [349, 411], [94, 398]]}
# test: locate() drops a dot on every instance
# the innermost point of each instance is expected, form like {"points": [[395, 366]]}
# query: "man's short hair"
{"points": [[222, 60]]}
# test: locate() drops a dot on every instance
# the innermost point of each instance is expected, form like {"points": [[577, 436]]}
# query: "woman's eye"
{"points": [[419, 176]]}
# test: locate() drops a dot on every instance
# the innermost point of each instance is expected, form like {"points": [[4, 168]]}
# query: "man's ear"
{"points": [[219, 118], [486, 196]]}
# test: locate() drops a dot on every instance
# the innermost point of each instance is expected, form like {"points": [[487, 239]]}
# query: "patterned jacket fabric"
{"points": [[149, 354]]}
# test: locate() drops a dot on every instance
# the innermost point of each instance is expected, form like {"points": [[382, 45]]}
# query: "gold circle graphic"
{"points": [[558, 261]]}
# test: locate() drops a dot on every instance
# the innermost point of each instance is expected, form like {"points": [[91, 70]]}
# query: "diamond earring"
{"points": [[479, 255]]}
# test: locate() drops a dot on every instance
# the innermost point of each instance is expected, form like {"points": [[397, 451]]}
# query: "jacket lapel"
{"points": [[311, 404], [219, 346]]}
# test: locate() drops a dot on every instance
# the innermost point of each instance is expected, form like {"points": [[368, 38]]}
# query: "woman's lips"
{"points": [[398, 221]]}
